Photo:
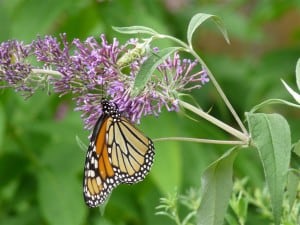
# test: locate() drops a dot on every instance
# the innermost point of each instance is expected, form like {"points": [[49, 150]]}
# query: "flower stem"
{"points": [[241, 136], [46, 71], [222, 94], [212, 78], [199, 140]]}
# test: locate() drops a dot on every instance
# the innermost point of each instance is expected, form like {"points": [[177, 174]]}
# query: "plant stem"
{"points": [[241, 136], [45, 71], [199, 140], [223, 96], [212, 78]]}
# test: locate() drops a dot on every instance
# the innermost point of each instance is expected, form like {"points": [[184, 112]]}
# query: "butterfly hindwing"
{"points": [[131, 153]]}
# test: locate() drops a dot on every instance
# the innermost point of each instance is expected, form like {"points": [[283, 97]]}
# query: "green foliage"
{"points": [[198, 19], [216, 184], [242, 200], [298, 74], [169, 206], [149, 67], [272, 138], [244, 197], [292, 186], [135, 30]]}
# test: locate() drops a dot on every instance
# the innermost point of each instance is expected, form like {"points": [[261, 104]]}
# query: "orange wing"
{"points": [[98, 172]]}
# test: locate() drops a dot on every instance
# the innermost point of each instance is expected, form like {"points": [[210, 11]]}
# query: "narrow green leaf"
{"points": [[60, 198], [81, 144], [149, 67], [198, 19], [273, 101], [271, 136], [216, 186], [297, 148], [298, 74], [294, 94], [231, 219], [292, 184], [135, 30]]}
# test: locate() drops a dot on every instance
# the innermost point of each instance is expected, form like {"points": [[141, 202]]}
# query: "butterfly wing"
{"points": [[118, 153], [130, 151], [98, 173]]}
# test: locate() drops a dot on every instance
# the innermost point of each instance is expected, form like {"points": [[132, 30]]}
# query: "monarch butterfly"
{"points": [[118, 153]]}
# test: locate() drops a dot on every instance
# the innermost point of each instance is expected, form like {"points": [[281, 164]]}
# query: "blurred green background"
{"points": [[41, 164]]}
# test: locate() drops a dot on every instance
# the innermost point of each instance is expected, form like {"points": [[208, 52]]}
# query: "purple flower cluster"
{"points": [[14, 71], [93, 70]]}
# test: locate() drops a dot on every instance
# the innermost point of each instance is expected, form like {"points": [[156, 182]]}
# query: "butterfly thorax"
{"points": [[111, 110]]}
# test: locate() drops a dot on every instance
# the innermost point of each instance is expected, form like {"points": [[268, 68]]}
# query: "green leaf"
{"points": [[294, 94], [198, 19], [273, 101], [80, 143], [231, 219], [216, 186], [271, 136], [292, 184], [60, 198], [135, 30], [298, 74], [149, 67], [297, 148]]}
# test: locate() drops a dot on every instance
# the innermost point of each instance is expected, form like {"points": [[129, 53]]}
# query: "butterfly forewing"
{"points": [[98, 170], [118, 153]]}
